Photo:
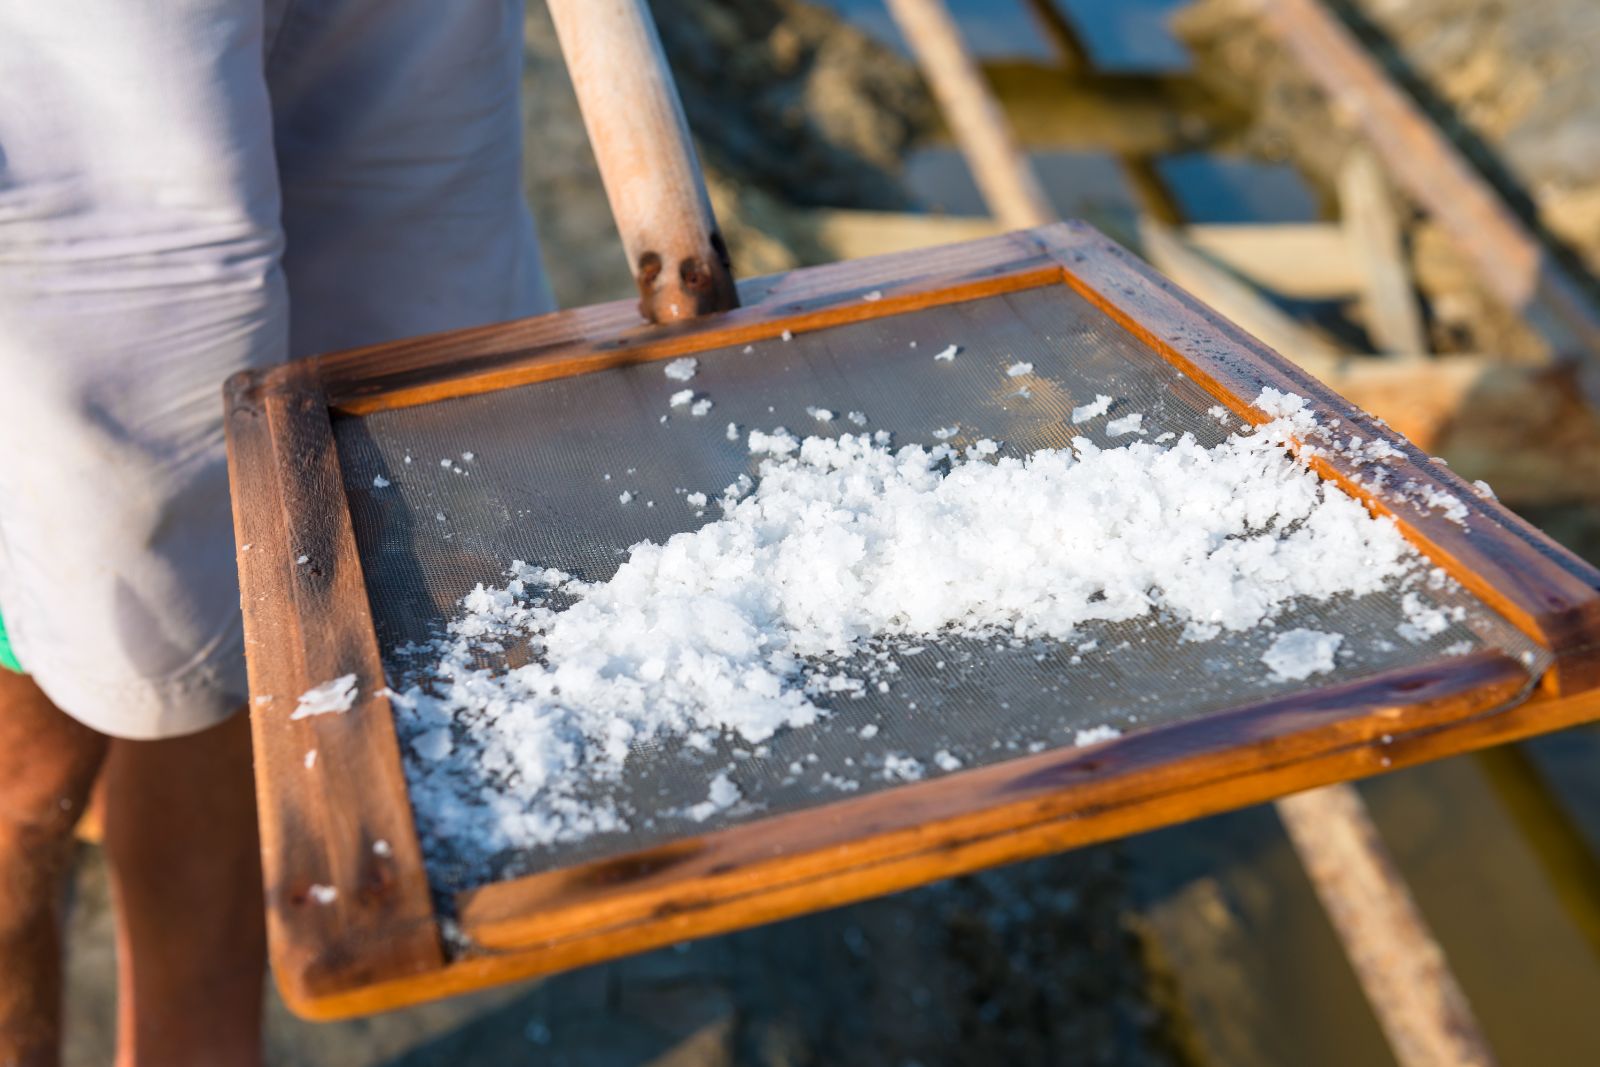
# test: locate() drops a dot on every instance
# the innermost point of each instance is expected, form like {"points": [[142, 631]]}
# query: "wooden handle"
{"points": [[641, 140]]}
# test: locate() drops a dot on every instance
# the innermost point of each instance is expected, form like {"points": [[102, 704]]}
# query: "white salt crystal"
{"points": [[732, 432], [867, 732], [875, 295], [681, 370], [446, 462], [696, 500], [1094, 735], [1125, 425], [322, 894], [626, 496], [380, 847], [311, 759], [379, 482], [945, 761], [1220, 413], [1480, 485], [779, 442], [723, 794], [858, 418], [898, 765], [681, 397], [820, 414], [1101, 405], [700, 407], [946, 354], [436, 744], [787, 335], [1297, 654], [263, 700], [1018, 369], [947, 432], [338, 695], [302, 559]]}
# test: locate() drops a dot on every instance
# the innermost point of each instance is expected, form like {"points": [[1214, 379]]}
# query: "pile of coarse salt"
{"points": [[740, 626]]}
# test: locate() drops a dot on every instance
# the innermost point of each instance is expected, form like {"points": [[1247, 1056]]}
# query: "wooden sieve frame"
{"points": [[345, 822]]}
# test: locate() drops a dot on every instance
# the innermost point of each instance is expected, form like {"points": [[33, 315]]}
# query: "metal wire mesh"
{"points": [[536, 489]]}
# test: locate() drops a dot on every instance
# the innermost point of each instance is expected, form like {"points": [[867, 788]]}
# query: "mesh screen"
{"points": [[536, 490]]}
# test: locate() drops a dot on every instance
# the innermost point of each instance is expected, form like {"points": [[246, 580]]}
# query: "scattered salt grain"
{"points": [[695, 500], [322, 894], [722, 795], [867, 732], [379, 482], [626, 496], [1094, 735], [1018, 369], [446, 462], [787, 335], [945, 761], [946, 354], [858, 418], [1220, 413], [898, 765], [380, 847], [681, 397], [681, 370], [873, 297], [947, 432], [1298, 654], [338, 695], [732, 432], [1101, 405], [302, 559], [311, 759], [1480, 485], [1125, 425], [700, 407], [820, 414], [263, 700]]}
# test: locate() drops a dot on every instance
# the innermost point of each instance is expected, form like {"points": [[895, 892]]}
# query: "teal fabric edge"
{"points": [[8, 655]]}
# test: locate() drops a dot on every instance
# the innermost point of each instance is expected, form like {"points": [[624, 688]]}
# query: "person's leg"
{"points": [[48, 764], [139, 267], [180, 832]]}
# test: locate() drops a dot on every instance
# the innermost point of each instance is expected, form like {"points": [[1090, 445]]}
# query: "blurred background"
{"points": [[1200, 945]]}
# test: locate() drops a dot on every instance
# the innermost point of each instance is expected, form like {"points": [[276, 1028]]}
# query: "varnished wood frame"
{"points": [[345, 821]]}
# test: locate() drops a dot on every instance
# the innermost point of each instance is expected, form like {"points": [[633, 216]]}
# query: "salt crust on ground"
{"points": [[740, 626]]}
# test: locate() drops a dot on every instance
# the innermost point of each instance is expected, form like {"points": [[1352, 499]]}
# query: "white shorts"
{"points": [[189, 188]]}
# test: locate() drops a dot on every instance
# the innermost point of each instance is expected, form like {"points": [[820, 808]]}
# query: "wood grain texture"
{"points": [[1547, 592], [304, 628], [465, 362], [342, 824], [641, 141]]}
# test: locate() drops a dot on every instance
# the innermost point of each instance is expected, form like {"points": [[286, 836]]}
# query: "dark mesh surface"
{"points": [[535, 490]]}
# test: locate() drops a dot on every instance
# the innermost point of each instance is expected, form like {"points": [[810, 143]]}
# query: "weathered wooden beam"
{"points": [[1419, 1004], [1511, 260], [1388, 298], [1009, 185]]}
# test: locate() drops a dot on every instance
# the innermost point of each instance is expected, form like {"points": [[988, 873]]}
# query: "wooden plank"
{"points": [[347, 898], [1012, 192], [425, 369], [990, 801], [1388, 300], [1307, 260], [1544, 590], [1290, 770], [1418, 1001], [1510, 259]]}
